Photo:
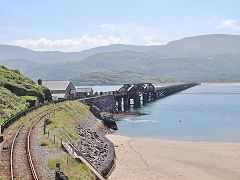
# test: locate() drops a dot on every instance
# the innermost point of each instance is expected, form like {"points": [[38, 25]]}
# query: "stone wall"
{"points": [[103, 103]]}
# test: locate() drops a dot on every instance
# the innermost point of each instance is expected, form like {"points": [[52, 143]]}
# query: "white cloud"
{"points": [[228, 24], [136, 33], [150, 40], [129, 33], [68, 45]]}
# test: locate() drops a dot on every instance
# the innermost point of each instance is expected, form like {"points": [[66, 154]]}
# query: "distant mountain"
{"points": [[8, 52], [115, 78], [200, 58], [201, 46]]}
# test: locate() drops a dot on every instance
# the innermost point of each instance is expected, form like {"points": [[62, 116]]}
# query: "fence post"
{"points": [[1, 128], [44, 128]]}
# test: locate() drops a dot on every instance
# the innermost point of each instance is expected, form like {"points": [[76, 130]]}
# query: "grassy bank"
{"points": [[61, 126], [18, 92], [10, 104], [71, 167]]}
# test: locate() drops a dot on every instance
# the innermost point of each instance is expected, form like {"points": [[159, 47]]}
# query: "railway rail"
{"points": [[22, 165]]}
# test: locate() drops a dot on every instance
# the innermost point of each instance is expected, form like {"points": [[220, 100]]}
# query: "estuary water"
{"points": [[201, 113]]}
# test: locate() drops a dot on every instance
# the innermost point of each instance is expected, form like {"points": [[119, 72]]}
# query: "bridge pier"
{"points": [[148, 92], [126, 103], [119, 102], [137, 101], [145, 98], [154, 96]]}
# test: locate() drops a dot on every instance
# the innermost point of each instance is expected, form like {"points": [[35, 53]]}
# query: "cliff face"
{"points": [[20, 91]]}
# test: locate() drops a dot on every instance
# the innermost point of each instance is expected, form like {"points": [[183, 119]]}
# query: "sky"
{"points": [[75, 25]]}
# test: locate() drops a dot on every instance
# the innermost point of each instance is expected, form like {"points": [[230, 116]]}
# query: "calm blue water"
{"points": [[208, 113]]}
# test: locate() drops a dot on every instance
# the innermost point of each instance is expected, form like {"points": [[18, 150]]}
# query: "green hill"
{"points": [[18, 92], [115, 78]]}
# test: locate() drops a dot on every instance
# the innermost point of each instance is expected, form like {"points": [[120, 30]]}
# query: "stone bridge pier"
{"points": [[138, 93], [119, 103]]}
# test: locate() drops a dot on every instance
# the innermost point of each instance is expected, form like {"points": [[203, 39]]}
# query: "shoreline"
{"points": [[125, 114], [220, 84], [176, 140], [145, 158]]}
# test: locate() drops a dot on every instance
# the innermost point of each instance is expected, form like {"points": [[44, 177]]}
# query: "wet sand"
{"points": [[156, 159]]}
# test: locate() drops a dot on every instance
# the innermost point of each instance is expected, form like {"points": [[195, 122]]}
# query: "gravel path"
{"points": [[43, 154], [4, 160]]}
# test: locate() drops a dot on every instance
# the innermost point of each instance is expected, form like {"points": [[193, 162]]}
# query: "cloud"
{"points": [[68, 45], [228, 24], [107, 34], [136, 33], [150, 40]]}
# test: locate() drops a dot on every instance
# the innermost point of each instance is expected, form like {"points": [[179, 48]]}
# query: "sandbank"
{"points": [[156, 159]]}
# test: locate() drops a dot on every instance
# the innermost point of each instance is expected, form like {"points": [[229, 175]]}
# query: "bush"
{"points": [[43, 144], [47, 121]]}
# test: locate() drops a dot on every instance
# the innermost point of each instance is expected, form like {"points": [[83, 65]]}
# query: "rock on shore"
{"points": [[97, 149]]}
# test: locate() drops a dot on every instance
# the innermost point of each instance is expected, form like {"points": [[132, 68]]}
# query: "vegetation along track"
{"points": [[22, 162]]}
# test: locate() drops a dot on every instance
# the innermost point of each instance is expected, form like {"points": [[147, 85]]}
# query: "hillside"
{"points": [[213, 57], [18, 92], [11, 53], [200, 46], [115, 78]]}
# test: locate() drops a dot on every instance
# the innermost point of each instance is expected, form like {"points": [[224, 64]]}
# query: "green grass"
{"points": [[11, 83], [71, 167], [30, 98], [72, 111], [10, 104], [12, 79], [63, 123], [57, 91], [13, 127]]}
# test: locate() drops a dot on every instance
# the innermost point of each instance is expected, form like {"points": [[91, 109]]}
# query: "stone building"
{"points": [[84, 92], [60, 89]]}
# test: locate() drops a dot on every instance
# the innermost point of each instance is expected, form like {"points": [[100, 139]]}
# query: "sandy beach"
{"points": [[156, 159], [220, 84]]}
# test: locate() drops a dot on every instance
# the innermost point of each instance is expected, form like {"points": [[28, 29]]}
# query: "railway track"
{"points": [[22, 164]]}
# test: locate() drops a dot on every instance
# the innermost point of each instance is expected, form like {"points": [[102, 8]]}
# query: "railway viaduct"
{"points": [[140, 94]]}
